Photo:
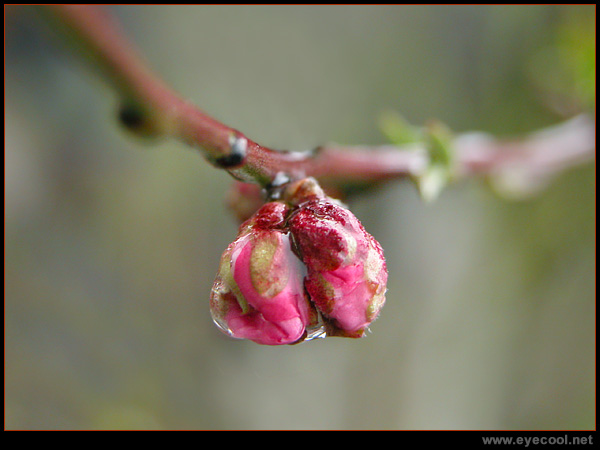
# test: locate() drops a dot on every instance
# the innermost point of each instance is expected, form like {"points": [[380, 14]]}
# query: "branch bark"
{"points": [[150, 106]]}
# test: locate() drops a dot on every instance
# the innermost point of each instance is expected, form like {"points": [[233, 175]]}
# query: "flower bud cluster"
{"points": [[301, 267]]}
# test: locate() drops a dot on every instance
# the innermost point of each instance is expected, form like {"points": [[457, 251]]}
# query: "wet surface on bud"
{"points": [[300, 268], [258, 293]]}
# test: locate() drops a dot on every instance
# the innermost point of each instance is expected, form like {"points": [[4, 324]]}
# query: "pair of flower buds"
{"points": [[300, 268]]}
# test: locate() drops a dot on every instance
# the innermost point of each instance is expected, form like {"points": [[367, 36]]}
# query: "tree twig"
{"points": [[149, 105]]}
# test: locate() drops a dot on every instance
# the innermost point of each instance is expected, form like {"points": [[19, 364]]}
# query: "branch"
{"points": [[520, 167], [149, 106]]}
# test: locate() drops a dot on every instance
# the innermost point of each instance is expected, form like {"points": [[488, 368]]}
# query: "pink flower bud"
{"points": [[258, 293], [346, 270], [300, 268]]}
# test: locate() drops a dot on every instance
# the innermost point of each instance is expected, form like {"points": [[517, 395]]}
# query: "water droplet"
{"points": [[317, 330]]}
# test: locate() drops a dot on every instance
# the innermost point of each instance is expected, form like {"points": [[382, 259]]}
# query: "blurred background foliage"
{"points": [[111, 245]]}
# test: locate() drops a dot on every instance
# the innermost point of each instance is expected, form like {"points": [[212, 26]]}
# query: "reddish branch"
{"points": [[152, 107]]}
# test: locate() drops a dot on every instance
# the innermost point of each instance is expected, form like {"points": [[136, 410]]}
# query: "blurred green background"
{"points": [[111, 245]]}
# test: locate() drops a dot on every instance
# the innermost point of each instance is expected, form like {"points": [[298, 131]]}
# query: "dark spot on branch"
{"points": [[237, 153], [131, 117], [231, 160]]}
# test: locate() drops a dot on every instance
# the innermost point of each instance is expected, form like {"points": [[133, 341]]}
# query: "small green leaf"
{"points": [[431, 183], [436, 138], [397, 130], [438, 142]]}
